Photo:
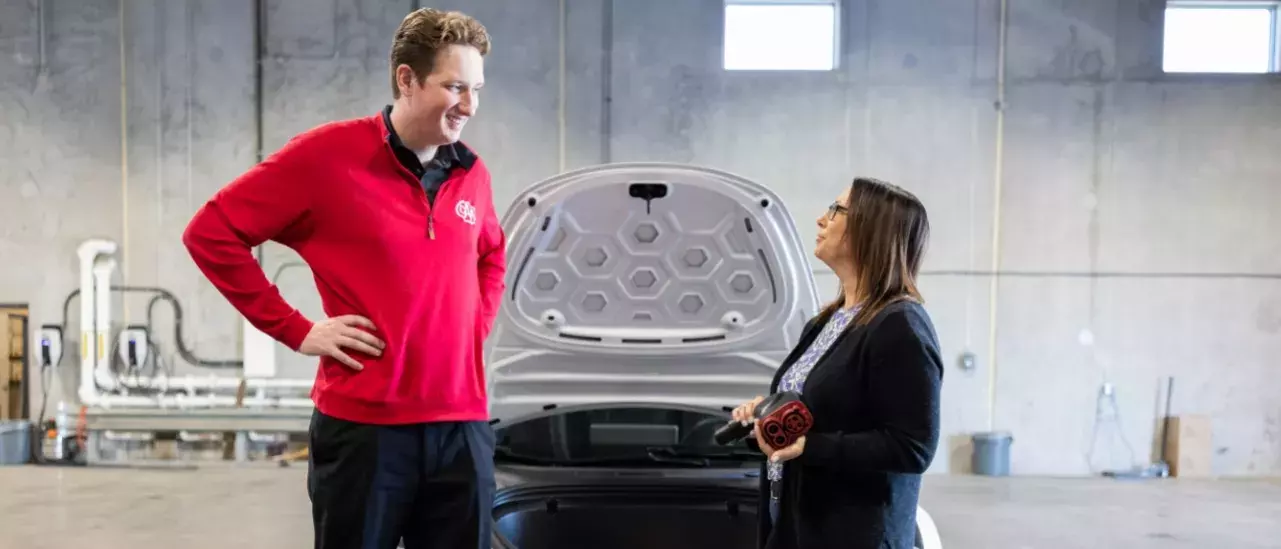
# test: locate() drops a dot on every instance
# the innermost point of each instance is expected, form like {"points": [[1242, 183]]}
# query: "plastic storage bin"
{"points": [[15, 442]]}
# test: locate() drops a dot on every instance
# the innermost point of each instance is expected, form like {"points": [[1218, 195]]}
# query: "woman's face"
{"points": [[830, 246]]}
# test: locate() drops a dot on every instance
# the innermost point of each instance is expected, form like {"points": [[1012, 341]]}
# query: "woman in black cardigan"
{"points": [[869, 369]]}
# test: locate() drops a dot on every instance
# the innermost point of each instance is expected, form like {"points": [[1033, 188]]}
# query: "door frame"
{"points": [[25, 308]]}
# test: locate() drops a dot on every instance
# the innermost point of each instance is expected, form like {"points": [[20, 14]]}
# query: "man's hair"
{"points": [[426, 31]]}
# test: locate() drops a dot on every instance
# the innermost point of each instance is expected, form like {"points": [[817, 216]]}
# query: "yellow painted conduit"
{"points": [[997, 180], [124, 161], [561, 84]]}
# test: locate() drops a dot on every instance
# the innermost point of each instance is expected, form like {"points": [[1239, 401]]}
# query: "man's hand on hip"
{"points": [[330, 336]]}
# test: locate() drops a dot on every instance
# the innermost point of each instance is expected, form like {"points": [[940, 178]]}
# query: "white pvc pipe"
{"points": [[96, 378], [102, 270], [197, 383], [191, 402], [88, 253]]}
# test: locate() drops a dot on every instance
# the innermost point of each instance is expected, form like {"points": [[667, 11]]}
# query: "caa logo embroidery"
{"points": [[466, 211]]}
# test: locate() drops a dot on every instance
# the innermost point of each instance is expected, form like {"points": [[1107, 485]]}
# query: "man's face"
{"points": [[448, 97]]}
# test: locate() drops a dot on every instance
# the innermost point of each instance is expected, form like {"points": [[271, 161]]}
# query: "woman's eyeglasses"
{"points": [[836, 208]]}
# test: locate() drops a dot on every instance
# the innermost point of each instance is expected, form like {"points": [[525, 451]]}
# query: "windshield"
{"points": [[622, 437]]}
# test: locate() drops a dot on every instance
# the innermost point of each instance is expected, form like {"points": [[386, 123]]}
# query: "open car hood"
{"points": [[646, 283]]}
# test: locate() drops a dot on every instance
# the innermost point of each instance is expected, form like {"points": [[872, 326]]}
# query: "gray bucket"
{"points": [[15, 442], [992, 454]]}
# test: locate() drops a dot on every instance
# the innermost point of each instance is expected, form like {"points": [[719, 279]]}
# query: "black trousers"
{"points": [[430, 484]]}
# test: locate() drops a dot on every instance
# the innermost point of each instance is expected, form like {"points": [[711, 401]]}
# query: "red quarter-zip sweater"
{"points": [[429, 276]]}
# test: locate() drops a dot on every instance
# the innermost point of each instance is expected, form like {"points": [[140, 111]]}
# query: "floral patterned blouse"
{"points": [[794, 378]]}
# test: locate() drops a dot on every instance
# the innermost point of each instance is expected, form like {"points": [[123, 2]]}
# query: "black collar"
{"points": [[447, 156]]}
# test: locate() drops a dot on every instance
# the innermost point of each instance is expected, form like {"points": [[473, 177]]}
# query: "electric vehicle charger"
{"points": [[781, 417]]}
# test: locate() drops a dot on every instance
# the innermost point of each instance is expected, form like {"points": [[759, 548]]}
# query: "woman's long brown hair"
{"points": [[886, 230]]}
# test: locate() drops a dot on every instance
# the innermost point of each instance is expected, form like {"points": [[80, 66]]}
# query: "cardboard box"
{"points": [[1189, 446]]}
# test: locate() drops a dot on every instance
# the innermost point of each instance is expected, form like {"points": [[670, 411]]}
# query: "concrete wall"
{"points": [[1107, 167]]}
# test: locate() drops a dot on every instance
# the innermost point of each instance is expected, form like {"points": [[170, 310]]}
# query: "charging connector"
{"points": [[132, 346], [50, 345]]}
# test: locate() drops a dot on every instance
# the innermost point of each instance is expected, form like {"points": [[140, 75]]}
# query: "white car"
{"points": [[643, 302]]}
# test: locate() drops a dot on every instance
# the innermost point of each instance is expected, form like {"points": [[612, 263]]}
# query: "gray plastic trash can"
{"points": [[992, 454], [15, 442]]}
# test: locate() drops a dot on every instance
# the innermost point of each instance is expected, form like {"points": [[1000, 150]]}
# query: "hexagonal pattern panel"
{"points": [[643, 278], [546, 281], [594, 302], [647, 278], [646, 233], [691, 303], [695, 257], [743, 287], [546, 286], [595, 257], [608, 263], [585, 257]]}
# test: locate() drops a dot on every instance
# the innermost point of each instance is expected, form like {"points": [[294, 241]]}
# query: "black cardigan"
{"points": [[875, 401]]}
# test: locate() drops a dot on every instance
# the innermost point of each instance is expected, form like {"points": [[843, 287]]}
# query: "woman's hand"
{"points": [[744, 413], [783, 454]]}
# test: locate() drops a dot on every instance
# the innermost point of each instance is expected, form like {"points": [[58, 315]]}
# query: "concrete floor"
{"points": [[266, 507]]}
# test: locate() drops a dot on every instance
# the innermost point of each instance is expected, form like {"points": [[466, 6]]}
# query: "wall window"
{"points": [[781, 35], [1221, 36]]}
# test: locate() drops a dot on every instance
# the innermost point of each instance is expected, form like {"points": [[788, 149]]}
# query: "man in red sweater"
{"points": [[395, 217]]}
